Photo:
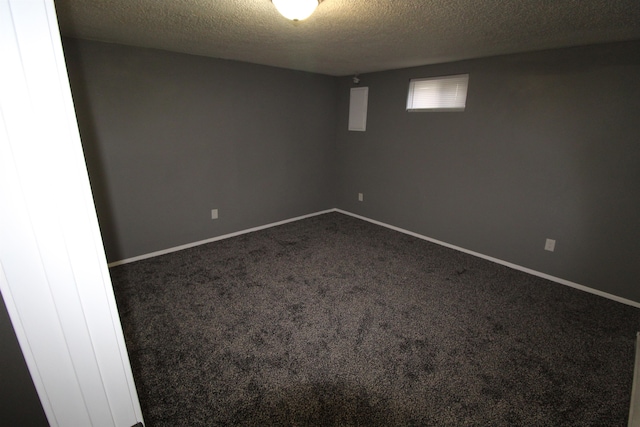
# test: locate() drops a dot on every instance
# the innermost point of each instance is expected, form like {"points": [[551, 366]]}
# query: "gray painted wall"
{"points": [[548, 147], [168, 137], [19, 402]]}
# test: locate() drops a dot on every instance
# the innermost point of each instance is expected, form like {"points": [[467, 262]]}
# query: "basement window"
{"points": [[448, 93]]}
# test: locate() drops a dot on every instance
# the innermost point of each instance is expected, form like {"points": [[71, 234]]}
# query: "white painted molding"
{"points": [[53, 272], [215, 239], [499, 261]]}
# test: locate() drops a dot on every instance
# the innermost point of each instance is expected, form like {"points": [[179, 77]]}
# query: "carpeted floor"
{"points": [[333, 321]]}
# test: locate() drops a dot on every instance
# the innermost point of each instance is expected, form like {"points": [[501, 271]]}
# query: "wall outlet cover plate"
{"points": [[550, 245]]}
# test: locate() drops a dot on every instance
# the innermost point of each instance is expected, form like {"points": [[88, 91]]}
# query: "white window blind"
{"points": [[447, 93]]}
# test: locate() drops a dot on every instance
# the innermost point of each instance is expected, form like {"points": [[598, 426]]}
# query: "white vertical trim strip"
{"points": [[53, 204], [55, 277], [98, 301], [26, 286], [26, 347]]}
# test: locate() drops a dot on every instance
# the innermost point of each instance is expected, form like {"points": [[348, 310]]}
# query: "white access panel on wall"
{"points": [[358, 108]]}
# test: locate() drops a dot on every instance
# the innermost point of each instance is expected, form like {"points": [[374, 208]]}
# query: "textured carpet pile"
{"points": [[333, 321]]}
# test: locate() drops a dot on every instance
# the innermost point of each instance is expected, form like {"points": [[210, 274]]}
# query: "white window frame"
{"points": [[444, 93]]}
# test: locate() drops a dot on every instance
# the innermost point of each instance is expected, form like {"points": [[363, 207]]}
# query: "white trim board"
{"points": [[392, 227], [499, 261], [53, 272], [215, 239]]}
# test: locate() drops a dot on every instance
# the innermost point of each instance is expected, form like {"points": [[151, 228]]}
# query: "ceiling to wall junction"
{"points": [[345, 37]]}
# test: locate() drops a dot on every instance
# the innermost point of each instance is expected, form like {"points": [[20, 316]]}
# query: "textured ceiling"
{"points": [[345, 37]]}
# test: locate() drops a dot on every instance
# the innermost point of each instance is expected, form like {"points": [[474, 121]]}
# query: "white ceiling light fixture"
{"points": [[296, 10]]}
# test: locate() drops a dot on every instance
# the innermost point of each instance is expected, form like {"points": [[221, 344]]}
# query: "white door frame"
{"points": [[53, 271]]}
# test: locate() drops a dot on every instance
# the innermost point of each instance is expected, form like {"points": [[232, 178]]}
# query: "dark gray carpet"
{"points": [[333, 321]]}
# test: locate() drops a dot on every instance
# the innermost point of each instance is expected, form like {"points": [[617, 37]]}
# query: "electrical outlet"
{"points": [[360, 197], [550, 245], [214, 213]]}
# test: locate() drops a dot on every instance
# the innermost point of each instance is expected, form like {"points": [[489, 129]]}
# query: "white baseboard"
{"points": [[499, 261], [215, 239], [392, 227]]}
